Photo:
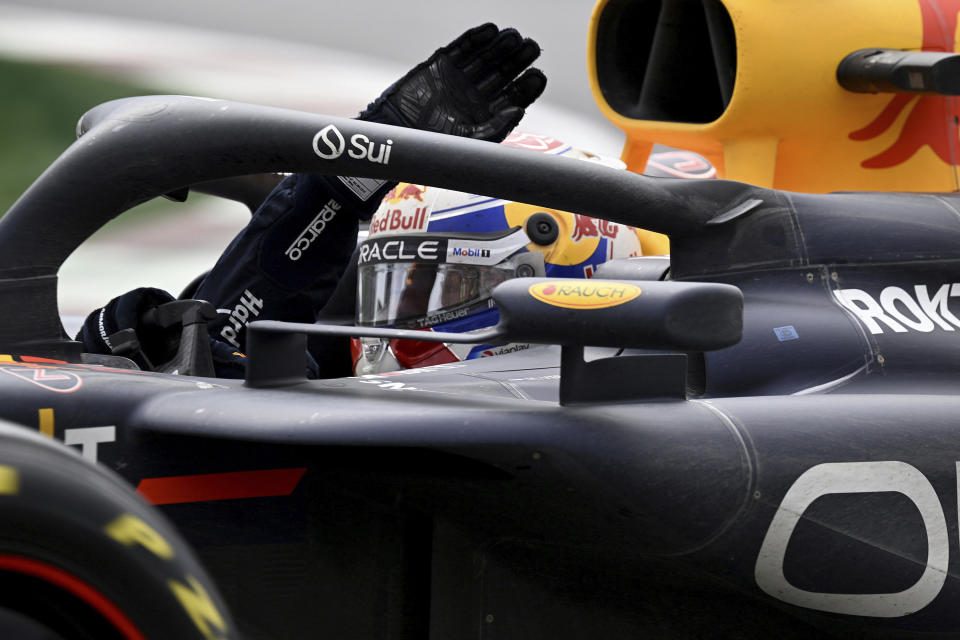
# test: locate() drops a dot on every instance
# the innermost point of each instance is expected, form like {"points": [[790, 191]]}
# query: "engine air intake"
{"points": [[667, 60]]}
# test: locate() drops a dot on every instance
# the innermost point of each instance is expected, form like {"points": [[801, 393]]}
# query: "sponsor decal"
{"points": [[88, 438], [579, 294], [535, 142], [363, 188], [857, 477], [329, 144], [399, 219], [249, 307], [443, 316], [681, 164], [487, 252], [499, 351], [313, 230], [401, 250], [102, 330], [406, 208], [900, 311], [56, 380], [786, 333], [470, 252], [587, 227]]}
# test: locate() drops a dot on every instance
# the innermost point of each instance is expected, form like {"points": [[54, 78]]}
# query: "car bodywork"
{"points": [[803, 478], [801, 481]]}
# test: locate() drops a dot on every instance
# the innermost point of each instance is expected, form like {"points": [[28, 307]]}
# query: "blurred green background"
{"points": [[39, 108], [57, 60], [158, 243]]}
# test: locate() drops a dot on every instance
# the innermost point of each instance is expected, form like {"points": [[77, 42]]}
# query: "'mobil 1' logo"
{"points": [[583, 294]]}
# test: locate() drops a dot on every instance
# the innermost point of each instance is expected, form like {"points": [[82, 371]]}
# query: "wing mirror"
{"points": [[671, 317], [668, 316]]}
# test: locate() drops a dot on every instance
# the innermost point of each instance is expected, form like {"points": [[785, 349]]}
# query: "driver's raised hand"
{"points": [[476, 87]]}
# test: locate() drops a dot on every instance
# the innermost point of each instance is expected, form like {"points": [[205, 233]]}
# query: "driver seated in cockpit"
{"points": [[293, 261]]}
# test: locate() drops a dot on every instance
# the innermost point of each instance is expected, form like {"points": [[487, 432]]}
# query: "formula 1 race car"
{"points": [[755, 437]]}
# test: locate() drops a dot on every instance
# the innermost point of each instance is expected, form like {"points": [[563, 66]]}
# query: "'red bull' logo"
{"points": [[404, 209], [582, 294], [931, 118], [399, 220]]}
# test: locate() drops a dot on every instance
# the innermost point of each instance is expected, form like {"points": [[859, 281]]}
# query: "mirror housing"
{"points": [[668, 316], [664, 316]]}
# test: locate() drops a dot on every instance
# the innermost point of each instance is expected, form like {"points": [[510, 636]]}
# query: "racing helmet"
{"points": [[433, 256]]}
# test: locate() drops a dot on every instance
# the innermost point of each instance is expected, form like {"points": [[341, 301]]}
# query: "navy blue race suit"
{"points": [[287, 262]]}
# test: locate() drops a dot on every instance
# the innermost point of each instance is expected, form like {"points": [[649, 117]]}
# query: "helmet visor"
{"points": [[417, 295], [422, 280]]}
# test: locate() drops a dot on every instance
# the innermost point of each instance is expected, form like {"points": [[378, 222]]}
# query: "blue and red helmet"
{"points": [[433, 257]]}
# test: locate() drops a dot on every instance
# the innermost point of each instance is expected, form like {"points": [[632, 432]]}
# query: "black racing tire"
{"points": [[83, 557]]}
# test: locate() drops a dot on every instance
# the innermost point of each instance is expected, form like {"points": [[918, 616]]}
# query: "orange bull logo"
{"points": [[932, 120]]}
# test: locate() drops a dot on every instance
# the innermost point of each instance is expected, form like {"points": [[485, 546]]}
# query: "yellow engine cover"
{"points": [[787, 123]]}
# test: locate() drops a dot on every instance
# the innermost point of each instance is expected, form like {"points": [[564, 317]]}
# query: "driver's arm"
{"points": [[285, 264], [287, 261]]}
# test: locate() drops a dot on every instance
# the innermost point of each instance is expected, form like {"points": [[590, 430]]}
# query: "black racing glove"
{"points": [[115, 329], [469, 88], [286, 263], [123, 328]]}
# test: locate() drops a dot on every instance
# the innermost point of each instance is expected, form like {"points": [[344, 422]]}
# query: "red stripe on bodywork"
{"points": [[77, 587], [220, 486], [36, 359]]}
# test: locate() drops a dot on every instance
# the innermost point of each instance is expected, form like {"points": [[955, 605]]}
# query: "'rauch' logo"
{"points": [[579, 294]]}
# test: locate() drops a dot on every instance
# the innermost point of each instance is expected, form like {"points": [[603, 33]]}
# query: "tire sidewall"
{"points": [[85, 522]]}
